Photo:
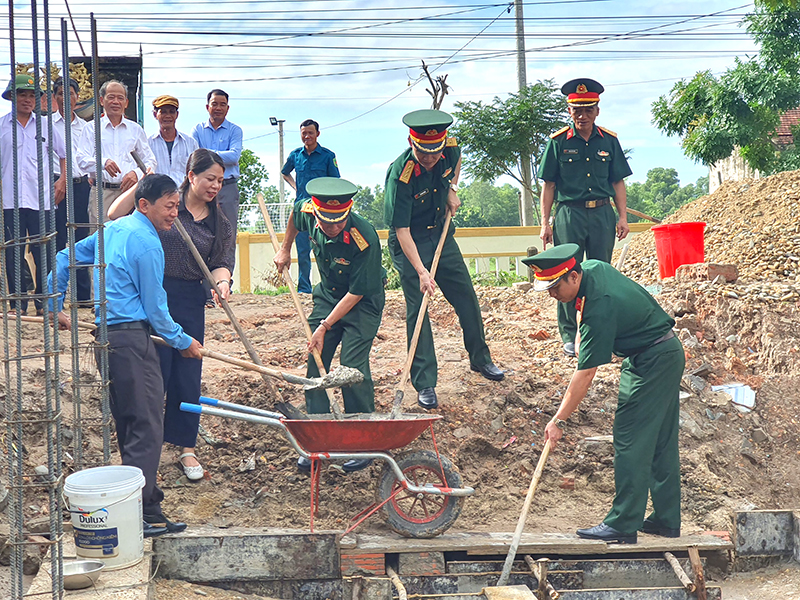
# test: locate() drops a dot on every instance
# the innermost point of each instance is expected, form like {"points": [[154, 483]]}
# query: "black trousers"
{"points": [[29, 226], [137, 405], [187, 306], [81, 191]]}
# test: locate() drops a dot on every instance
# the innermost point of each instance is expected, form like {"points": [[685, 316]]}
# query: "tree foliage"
{"points": [[741, 108], [495, 136], [252, 179], [661, 194], [487, 205], [369, 204], [252, 176]]}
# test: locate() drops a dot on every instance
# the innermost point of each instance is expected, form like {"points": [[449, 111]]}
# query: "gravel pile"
{"points": [[753, 224]]}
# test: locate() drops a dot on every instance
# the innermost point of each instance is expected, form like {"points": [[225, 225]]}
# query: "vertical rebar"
{"points": [[100, 301]]}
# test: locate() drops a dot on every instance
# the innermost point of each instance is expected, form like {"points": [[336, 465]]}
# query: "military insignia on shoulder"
{"points": [[555, 134], [451, 142], [405, 176], [608, 131], [359, 239], [335, 164], [307, 208]]}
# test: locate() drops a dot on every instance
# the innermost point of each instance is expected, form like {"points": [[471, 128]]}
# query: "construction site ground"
{"points": [[493, 431]]}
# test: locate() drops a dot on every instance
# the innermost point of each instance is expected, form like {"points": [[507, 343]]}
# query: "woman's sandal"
{"points": [[192, 473]]}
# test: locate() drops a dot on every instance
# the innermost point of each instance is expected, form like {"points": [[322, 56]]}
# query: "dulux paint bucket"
{"points": [[105, 504]]}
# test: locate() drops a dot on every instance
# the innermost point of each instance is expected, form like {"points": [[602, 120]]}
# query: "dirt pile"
{"points": [[753, 224]]}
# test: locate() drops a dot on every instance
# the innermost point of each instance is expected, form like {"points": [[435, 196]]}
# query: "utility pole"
{"points": [[526, 213], [279, 122]]}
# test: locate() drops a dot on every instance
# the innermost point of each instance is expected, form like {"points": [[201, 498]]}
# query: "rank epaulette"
{"points": [[307, 208], [608, 131], [359, 239], [451, 142], [555, 134], [405, 176]]}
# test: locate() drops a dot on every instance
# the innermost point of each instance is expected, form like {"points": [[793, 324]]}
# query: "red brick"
{"points": [[363, 564], [706, 272]]}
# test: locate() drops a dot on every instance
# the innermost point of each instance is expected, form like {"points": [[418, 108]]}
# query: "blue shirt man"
{"points": [[308, 162], [137, 303], [224, 138]]}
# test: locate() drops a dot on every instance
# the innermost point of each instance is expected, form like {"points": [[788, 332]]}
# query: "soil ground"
{"points": [[493, 431]]}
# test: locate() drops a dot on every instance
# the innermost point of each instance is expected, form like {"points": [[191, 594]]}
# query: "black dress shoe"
{"points": [[160, 521], [569, 349], [607, 534], [356, 464], [655, 529], [152, 530], [304, 464], [489, 371], [426, 398]]}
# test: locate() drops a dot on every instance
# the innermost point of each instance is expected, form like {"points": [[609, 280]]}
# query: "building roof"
{"points": [[789, 119]]}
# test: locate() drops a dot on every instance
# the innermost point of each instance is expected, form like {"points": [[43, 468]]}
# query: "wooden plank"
{"points": [[495, 543]]}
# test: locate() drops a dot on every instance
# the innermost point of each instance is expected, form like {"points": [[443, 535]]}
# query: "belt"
{"points": [[129, 325], [228, 180], [596, 203], [667, 336], [111, 186], [80, 179]]}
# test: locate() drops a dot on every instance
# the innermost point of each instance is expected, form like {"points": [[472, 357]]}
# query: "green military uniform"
{"points": [[350, 262], [583, 172], [417, 199], [619, 316]]}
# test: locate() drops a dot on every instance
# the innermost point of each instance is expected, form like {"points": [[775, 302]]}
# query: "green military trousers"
{"points": [[646, 439], [594, 230], [452, 277], [356, 332]]}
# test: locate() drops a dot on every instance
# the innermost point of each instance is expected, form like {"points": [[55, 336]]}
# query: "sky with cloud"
{"points": [[354, 66]]}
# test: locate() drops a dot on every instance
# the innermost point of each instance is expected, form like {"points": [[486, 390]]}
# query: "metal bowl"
{"points": [[81, 574]]}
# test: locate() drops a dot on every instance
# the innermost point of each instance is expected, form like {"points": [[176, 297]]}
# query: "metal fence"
{"points": [[252, 221]]}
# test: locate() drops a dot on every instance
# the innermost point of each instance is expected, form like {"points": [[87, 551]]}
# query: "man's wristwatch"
{"points": [[454, 187], [560, 423]]}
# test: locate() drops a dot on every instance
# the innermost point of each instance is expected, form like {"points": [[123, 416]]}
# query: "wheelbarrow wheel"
{"points": [[420, 515]]}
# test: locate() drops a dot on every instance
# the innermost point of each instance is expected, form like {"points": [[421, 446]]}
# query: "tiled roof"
{"points": [[789, 119]]}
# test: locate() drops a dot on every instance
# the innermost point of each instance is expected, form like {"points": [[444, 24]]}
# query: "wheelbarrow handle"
{"points": [[239, 408]]}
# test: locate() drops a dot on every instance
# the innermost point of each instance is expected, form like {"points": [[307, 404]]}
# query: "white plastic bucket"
{"points": [[106, 508]]}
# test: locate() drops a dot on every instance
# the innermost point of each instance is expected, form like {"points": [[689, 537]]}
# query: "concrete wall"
{"points": [[733, 168]]}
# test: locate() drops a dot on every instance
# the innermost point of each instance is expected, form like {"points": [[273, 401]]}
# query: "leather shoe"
{"points": [[356, 464], [304, 464], [490, 371], [152, 530], [607, 534], [160, 521], [654, 528], [569, 349], [426, 398]]}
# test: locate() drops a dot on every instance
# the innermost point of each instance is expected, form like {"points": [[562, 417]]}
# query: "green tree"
{"points": [[487, 205], [740, 109], [252, 176], [495, 136], [370, 205], [252, 179], [661, 194]]}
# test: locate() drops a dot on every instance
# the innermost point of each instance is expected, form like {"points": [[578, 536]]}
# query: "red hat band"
{"points": [[554, 272], [331, 211], [583, 98]]}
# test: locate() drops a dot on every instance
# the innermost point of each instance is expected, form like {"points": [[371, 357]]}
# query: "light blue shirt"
{"points": [[173, 164], [225, 140], [134, 276]]}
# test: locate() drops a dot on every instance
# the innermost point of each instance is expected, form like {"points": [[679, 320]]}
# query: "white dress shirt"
{"points": [[78, 125], [117, 143], [27, 161], [173, 164]]}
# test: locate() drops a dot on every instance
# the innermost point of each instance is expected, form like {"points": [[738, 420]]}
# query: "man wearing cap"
{"points": [[80, 180], [308, 162], [421, 186], [348, 301], [118, 136], [583, 168], [170, 147], [618, 316], [219, 135], [25, 178]]}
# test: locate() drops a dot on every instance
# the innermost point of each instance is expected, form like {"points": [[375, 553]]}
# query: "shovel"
{"points": [[423, 308], [340, 376]]}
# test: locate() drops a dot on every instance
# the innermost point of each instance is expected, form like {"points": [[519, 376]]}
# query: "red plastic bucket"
{"points": [[678, 244]]}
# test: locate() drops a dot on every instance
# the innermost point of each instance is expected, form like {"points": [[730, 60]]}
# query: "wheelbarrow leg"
{"points": [[316, 471]]}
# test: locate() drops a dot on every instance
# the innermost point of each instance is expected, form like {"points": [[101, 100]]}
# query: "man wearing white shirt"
{"points": [[80, 181], [119, 136], [25, 178], [170, 147]]}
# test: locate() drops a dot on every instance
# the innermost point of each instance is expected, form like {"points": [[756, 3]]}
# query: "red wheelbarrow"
{"points": [[420, 493]]}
